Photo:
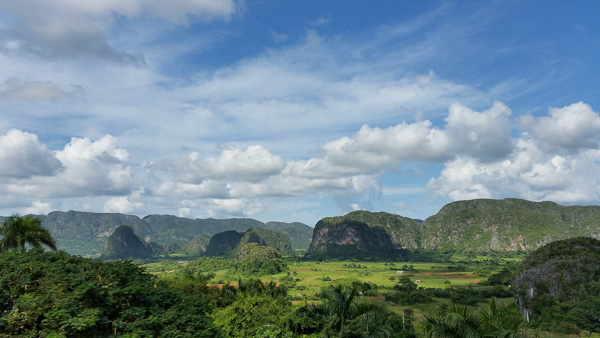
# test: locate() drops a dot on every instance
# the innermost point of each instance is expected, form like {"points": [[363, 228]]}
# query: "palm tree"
{"points": [[458, 321], [17, 232], [339, 302], [503, 321]]}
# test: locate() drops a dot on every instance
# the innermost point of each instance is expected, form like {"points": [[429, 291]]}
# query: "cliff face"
{"points": [[363, 233], [507, 225], [125, 244]]}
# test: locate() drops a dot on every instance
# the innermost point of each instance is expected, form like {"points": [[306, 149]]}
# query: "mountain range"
{"points": [[471, 225], [85, 233]]}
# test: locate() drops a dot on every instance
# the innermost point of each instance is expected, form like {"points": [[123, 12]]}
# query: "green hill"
{"points": [[196, 246], [474, 225], [229, 243], [558, 286], [123, 243], [506, 225], [362, 233]]}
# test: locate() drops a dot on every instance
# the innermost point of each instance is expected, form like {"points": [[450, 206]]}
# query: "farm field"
{"points": [[310, 276]]}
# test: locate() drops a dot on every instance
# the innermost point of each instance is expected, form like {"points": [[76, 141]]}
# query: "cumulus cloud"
{"points": [[239, 207], [87, 168], [567, 129], [23, 156], [253, 164], [124, 204], [39, 208], [556, 158], [485, 136]]}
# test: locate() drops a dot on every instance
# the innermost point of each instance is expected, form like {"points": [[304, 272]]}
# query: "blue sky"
{"points": [[296, 110]]}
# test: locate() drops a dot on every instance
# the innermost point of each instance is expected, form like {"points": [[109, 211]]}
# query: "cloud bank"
{"points": [[553, 157]]}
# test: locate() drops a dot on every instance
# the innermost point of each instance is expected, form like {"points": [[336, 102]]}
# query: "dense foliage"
{"points": [[16, 232], [342, 313], [458, 321], [55, 294], [257, 260], [558, 286]]}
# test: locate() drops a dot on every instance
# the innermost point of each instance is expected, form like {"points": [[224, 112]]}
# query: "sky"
{"points": [[296, 110]]}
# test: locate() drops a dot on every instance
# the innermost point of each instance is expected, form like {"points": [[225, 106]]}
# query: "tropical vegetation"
{"points": [[19, 232]]}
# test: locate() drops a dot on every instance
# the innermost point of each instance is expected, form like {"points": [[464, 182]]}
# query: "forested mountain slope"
{"points": [[363, 232], [508, 224], [473, 225]]}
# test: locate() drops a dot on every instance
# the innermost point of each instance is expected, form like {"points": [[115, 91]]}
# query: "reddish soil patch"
{"points": [[220, 286], [377, 299], [477, 281]]}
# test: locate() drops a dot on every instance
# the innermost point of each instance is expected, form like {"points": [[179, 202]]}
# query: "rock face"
{"points": [[506, 225], [229, 243], [362, 233], [125, 244], [561, 277]]}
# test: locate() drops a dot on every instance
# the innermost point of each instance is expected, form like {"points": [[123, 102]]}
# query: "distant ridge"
{"points": [[85, 233], [473, 225], [507, 225]]}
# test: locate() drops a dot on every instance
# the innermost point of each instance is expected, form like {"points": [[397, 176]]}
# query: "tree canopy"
{"points": [[17, 232]]}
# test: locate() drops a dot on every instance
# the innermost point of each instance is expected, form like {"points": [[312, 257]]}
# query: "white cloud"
{"points": [[22, 156], [239, 207], [89, 168], [253, 164], [121, 204], [39, 208], [484, 136], [570, 128], [539, 166]]}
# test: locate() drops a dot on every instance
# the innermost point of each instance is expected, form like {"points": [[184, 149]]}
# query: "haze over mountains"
{"points": [[472, 225]]}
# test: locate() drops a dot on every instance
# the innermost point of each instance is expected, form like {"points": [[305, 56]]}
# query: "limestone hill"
{"points": [[229, 243], [362, 233], [506, 225], [123, 243]]}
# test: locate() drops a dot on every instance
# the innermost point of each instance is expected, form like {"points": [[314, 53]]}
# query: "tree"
{"points": [[342, 314], [17, 232], [458, 321]]}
